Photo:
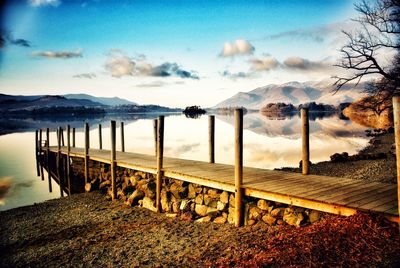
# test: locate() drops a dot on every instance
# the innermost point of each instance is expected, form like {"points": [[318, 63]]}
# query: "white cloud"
{"points": [[58, 54], [37, 3], [238, 47], [118, 64], [265, 63]]}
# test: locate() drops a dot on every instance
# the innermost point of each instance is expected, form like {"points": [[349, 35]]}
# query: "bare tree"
{"points": [[379, 33]]}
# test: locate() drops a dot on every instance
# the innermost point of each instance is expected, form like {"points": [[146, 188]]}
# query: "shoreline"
{"points": [[376, 162]]}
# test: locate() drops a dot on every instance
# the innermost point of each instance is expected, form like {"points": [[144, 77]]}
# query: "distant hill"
{"points": [[28, 103], [103, 100], [295, 93]]}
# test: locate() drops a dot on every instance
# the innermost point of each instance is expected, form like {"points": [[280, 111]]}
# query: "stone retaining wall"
{"points": [[189, 201]]}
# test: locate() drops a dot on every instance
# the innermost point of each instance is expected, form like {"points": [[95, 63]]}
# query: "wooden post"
{"points": [[59, 162], [68, 159], [396, 116], [305, 134], [62, 136], [160, 154], [73, 137], [40, 153], [155, 124], [86, 153], [211, 138], [48, 158], [238, 166], [37, 153], [113, 161], [122, 138], [100, 138]]}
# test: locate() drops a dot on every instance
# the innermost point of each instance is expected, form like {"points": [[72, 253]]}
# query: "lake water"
{"points": [[268, 143]]}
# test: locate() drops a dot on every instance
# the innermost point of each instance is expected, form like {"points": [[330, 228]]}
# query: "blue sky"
{"points": [[174, 53]]}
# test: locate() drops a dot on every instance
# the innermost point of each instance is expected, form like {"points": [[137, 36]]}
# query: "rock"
{"points": [[88, 187], [224, 197], [164, 201], [149, 204], [199, 199], [268, 219], [201, 210], [221, 205], [231, 215], [343, 157], [278, 212], [220, 219], [212, 211], [204, 219], [255, 213], [178, 191], [134, 198], [191, 191], [232, 200], [314, 216], [121, 195], [251, 222], [213, 193], [208, 200], [213, 204], [262, 204], [127, 188], [293, 219], [175, 207], [185, 205]]}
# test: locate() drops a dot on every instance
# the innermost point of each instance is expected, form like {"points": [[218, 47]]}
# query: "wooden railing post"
{"points": [[48, 158], [86, 153], [59, 162], [238, 166], [100, 138], [37, 152], [211, 138], [155, 124], [40, 153], [113, 159], [73, 137], [68, 159], [396, 116], [122, 138], [305, 134], [160, 154]]}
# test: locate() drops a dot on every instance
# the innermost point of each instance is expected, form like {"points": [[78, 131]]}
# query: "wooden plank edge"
{"points": [[311, 204]]}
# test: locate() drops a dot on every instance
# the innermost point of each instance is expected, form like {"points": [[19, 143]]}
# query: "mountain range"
{"points": [[295, 93]]}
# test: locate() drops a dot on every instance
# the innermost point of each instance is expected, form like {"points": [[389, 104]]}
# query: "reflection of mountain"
{"points": [[293, 92], [290, 127]]}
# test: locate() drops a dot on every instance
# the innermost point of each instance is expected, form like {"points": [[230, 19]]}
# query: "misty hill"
{"points": [[103, 100], [13, 103], [295, 93]]}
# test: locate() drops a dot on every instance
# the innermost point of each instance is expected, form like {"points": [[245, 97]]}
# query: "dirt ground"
{"points": [[86, 230]]}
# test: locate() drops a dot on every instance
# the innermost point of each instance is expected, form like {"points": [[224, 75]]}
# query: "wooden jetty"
{"points": [[341, 196]]}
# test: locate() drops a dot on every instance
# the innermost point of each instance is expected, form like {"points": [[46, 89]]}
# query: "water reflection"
{"points": [[268, 143]]}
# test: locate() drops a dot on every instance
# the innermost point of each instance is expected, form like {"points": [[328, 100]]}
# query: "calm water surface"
{"points": [[268, 143]]}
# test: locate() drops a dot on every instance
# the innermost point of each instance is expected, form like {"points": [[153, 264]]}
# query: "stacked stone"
{"points": [[198, 203], [274, 213]]}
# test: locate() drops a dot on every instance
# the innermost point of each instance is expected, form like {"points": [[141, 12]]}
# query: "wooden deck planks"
{"points": [[336, 195]]}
